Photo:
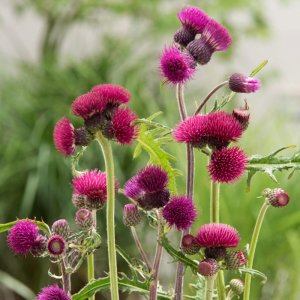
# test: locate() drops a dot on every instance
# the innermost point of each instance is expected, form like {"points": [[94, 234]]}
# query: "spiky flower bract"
{"points": [[22, 236], [241, 83], [121, 127], [84, 218], [216, 129], [215, 37], [193, 22], [61, 227], [276, 197], [176, 66], [227, 165], [52, 292], [39, 246], [235, 260], [56, 245], [208, 267], [218, 235], [64, 137], [79, 200], [237, 286], [131, 215], [189, 244], [180, 212], [152, 200]]}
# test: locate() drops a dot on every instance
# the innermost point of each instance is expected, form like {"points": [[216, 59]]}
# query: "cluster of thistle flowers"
{"points": [[103, 108]]}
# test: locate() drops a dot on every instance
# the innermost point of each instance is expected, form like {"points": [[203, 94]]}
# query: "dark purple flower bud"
{"points": [[62, 228], [131, 215], [276, 197], [189, 245], [240, 83], [208, 267], [84, 219], [56, 245]]}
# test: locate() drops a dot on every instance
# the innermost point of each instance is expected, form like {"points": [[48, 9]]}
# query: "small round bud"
{"points": [[215, 252], [242, 114], [131, 215], [56, 245], [61, 227], [235, 260], [276, 197], [189, 245], [208, 267], [39, 246], [78, 200], [237, 286], [84, 218]]}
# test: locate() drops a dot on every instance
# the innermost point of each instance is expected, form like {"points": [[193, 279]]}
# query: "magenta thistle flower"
{"points": [[189, 244], [56, 245], [235, 260], [216, 129], [52, 292], [276, 197], [131, 215], [208, 267], [180, 212], [176, 66], [61, 227], [215, 37], [227, 165], [84, 218], [218, 235], [121, 127], [152, 179], [193, 21], [241, 83], [39, 246], [93, 185], [22, 236], [132, 189]]}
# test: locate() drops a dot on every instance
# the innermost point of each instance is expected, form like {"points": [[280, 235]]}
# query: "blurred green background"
{"points": [[53, 51]]}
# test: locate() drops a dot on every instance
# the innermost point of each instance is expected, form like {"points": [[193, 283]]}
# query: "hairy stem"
{"points": [[209, 291], [157, 259], [90, 260], [204, 101], [252, 248], [110, 214], [215, 218], [66, 278], [140, 248]]}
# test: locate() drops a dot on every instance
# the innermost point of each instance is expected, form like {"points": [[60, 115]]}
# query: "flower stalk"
{"points": [[209, 287], [252, 248], [110, 218]]}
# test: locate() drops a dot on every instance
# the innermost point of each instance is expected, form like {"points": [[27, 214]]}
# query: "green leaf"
{"points": [[258, 68], [41, 224], [199, 286], [271, 163], [254, 273]]}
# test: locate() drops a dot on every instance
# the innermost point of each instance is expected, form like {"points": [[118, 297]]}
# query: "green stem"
{"points": [[110, 218], [209, 287], [253, 244], [91, 262], [215, 218], [230, 295]]}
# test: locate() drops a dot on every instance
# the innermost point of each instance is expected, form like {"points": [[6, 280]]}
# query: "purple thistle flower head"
{"points": [[180, 212], [215, 37], [276, 197], [132, 189], [22, 237], [121, 127], [131, 215], [52, 292], [208, 267], [218, 235], [93, 185], [61, 227], [64, 137], [193, 21], [227, 165], [176, 66], [84, 219], [56, 245], [152, 179], [39, 246], [241, 83]]}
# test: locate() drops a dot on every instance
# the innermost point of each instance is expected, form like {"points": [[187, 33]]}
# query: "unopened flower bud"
{"points": [[235, 260], [208, 267], [61, 227], [276, 197], [56, 245], [189, 244], [242, 114], [131, 215], [82, 137], [39, 246], [237, 286], [84, 218], [78, 200], [240, 83]]}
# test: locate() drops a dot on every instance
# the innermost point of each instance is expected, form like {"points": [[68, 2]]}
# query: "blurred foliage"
{"points": [[35, 179]]}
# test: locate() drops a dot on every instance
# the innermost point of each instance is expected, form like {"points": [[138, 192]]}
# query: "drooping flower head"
{"points": [[176, 66], [241, 83], [22, 236], [189, 245], [276, 197], [180, 212], [52, 292], [218, 235], [217, 129], [61, 227], [56, 245], [84, 219], [227, 165], [131, 215], [193, 21], [121, 127], [208, 267], [215, 37], [92, 184], [66, 137]]}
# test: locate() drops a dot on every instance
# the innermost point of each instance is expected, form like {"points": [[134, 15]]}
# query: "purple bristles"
{"points": [[240, 83], [52, 292], [132, 189]]}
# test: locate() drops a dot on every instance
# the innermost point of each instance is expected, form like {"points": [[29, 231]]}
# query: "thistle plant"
{"points": [[217, 249]]}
